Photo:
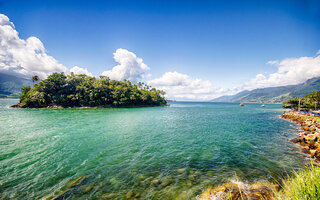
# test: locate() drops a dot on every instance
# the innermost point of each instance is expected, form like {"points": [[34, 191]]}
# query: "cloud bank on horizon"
{"points": [[182, 86], [29, 57], [290, 71]]}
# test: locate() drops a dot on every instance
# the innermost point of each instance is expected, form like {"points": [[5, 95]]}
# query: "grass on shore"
{"points": [[304, 185], [317, 118]]}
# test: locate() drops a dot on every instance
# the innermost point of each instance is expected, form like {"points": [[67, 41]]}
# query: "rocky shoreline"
{"points": [[309, 136], [309, 140]]}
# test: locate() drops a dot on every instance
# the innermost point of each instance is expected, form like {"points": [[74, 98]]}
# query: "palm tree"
{"points": [[299, 105], [35, 78]]}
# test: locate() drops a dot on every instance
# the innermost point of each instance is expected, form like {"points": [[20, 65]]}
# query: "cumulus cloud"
{"points": [[26, 57], [182, 86], [290, 71], [79, 70], [130, 67], [29, 57]]}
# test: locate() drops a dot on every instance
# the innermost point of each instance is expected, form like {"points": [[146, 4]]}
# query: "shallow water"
{"points": [[149, 153]]}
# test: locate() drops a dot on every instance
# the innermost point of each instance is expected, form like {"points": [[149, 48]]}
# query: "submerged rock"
{"points": [[77, 182], [132, 195], [189, 183], [181, 170], [108, 196], [129, 195], [192, 177], [165, 182], [155, 182], [72, 187], [113, 181], [141, 177]]}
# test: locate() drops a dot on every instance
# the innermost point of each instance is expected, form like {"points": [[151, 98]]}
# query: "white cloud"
{"points": [[26, 57], [182, 86], [130, 66], [29, 57], [290, 71], [79, 70]]}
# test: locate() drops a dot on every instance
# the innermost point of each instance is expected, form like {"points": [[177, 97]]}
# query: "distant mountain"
{"points": [[10, 86], [273, 94]]}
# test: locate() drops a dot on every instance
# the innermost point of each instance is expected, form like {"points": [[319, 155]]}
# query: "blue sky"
{"points": [[226, 43]]}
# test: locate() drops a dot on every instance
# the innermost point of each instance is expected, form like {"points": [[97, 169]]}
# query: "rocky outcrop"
{"points": [[309, 136], [23, 105], [240, 191], [19, 105]]}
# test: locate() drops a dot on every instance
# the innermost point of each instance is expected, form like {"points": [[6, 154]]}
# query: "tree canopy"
{"points": [[85, 91], [309, 101], [35, 78]]}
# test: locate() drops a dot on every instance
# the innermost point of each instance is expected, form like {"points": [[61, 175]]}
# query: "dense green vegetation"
{"points": [[84, 91], [309, 101], [302, 185]]}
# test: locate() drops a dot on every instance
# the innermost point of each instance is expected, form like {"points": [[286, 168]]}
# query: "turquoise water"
{"points": [[146, 153]]}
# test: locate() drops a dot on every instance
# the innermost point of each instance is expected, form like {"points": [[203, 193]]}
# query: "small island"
{"points": [[80, 91]]}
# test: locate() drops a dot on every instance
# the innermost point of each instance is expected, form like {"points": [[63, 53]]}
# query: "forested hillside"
{"points": [[10, 86], [273, 94]]}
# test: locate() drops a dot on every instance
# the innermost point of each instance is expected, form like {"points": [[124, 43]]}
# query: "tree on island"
{"points": [[85, 91], [291, 103]]}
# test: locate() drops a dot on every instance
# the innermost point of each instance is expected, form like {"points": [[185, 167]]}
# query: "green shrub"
{"points": [[308, 101], [304, 185]]}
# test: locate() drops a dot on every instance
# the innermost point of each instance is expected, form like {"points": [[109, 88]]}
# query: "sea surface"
{"points": [[172, 152]]}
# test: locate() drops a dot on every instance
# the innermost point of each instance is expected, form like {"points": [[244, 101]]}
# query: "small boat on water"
{"points": [[241, 104], [263, 105]]}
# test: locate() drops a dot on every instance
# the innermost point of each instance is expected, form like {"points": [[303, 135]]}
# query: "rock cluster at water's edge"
{"points": [[240, 191], [309, 138]]}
